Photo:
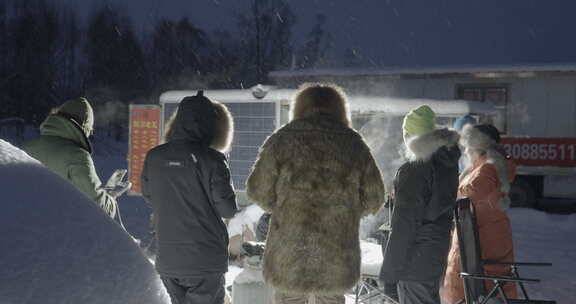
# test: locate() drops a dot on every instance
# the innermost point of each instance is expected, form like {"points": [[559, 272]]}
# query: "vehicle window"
{"points": [[497, 94]]}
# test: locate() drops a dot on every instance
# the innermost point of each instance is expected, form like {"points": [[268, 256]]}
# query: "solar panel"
{"points": [[253, 123]]}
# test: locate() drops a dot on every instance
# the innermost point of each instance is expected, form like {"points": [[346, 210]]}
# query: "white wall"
{"points": [[561, 107], [542, 106], [528, 110], [538, 107]]}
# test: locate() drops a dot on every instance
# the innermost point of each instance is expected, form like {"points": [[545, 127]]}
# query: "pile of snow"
{"points": [[246, 219], [372, 258], [59, 247], [12, 156]]}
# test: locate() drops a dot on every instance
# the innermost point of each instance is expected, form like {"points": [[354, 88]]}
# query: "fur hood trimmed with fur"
{"points": [[314, 98], [224, 132], [474, 139], [421, 148], [219, 135]]}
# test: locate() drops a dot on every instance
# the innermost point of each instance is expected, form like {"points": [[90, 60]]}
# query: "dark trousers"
{"points": [[198, 290], [419, 292]]}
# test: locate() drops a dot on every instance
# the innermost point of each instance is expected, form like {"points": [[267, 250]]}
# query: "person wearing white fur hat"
{"points": [[486, 183]]}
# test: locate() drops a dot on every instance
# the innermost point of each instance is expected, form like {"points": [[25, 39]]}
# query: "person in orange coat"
{"points": [[486, 183]]}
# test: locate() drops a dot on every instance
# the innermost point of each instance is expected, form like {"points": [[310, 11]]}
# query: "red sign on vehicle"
{"points": [[144, 135], [554, 152]]}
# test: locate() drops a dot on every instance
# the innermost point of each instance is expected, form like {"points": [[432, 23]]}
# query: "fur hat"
{"points": [[201, 120], [490, 131], [224, 132], [81, 112], [480, 137], [419, 121], [422, 147], [323, 98]]}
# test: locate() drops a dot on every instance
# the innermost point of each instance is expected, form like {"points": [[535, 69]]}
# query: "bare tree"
{"points": [[314, 50], [114, 55], [266, 31], [34, 31], [69, 79]]}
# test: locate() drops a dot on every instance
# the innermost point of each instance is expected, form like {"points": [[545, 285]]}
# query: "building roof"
{"points": [[230, 95], [518, 70], [359, 104], [401, 106]]}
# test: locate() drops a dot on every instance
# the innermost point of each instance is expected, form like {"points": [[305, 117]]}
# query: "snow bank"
{"points": [[12, 156], [58, 247]]}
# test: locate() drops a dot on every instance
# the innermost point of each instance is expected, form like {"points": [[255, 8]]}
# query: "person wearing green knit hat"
{"points": [[419, 121], [424, 196], [63, 146], [80, 111]]}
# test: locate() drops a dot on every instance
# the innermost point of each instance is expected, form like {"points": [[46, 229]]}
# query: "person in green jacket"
{"points": [[63, 147]]}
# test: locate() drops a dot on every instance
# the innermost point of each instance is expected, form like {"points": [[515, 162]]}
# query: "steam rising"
{"points": [[382, 133]]}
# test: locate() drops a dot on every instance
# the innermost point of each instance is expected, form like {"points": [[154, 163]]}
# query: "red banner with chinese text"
{"points": [[144, 135], [539, 151]]}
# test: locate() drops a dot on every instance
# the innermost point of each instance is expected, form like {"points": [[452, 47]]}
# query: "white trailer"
{"points": [[536, 111]]}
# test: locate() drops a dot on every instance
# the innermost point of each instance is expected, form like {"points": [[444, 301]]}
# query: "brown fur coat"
{"points": [[318, 178]]}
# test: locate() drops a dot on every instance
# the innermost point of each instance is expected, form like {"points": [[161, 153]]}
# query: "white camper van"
{"points": [[535, 102]]}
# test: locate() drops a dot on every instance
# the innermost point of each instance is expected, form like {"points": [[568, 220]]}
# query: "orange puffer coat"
{"points": [[482, 185]]}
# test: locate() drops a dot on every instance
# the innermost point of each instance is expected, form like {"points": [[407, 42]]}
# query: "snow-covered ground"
{"points": [[60, 252], [538, 237], [543, 237]]}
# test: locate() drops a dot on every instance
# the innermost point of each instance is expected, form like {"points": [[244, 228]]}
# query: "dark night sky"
{"points": [[403, 32]]}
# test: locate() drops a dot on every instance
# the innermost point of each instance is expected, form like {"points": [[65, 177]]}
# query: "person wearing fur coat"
{"points": [[317, 178], [425, 189], [486, 183], [187, 182]]}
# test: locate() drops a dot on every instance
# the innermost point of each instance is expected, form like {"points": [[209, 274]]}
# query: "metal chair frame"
{"points": [[367, 289], [472, 264]]}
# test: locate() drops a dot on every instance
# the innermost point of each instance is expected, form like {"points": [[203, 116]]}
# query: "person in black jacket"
{"points": [[262, 227], [425, 191], [187, 182]]}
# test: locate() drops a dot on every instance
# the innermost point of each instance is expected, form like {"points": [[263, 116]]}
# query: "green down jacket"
{"points": [[64, 148]]}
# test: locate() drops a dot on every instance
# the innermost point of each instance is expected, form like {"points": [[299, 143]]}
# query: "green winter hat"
{"points": [[419, 121], [80, 111]]}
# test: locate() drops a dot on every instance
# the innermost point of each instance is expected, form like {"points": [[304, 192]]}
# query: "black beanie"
{"points": [[490, 131]]}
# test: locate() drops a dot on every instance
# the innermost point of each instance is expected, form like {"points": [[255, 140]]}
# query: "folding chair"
{"points": [[472, 265], [368, 291]]}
